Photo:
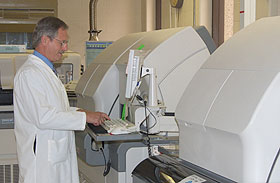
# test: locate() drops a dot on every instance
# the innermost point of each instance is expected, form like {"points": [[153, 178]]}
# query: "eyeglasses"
{"points": [[62, 43]]}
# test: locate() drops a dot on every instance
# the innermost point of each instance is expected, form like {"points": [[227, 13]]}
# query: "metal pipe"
{"points": [[93, 32], [95, 14], [194, 11]]}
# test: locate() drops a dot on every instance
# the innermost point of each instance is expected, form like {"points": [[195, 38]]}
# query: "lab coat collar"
{"points": [[43, 58], [42, 63]]}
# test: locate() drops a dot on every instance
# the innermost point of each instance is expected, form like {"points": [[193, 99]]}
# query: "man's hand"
{"points": [[96, 118]]}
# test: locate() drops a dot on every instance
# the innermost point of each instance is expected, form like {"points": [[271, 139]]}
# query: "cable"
{"points": [[96, 150], [113, 105], [154, 118], [143, 122], [134, 94], [140, 100], [147, 130], [273, 165], [107, 165]]}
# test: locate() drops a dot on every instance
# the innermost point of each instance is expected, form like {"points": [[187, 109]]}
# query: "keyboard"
{"points": [[118, 126]]}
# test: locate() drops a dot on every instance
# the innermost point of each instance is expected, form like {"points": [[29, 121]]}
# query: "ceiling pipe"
{"points": [[93, 32]]}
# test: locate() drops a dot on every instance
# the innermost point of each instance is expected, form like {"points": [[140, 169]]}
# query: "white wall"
{"points": [[205, 14], [115, 18], [184, 16], [173, 17]]}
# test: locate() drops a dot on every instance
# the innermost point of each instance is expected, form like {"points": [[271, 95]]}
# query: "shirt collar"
{"points": [[42, 57]]}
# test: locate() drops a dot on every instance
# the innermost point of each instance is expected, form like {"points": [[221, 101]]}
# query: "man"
{"points": [[44, 122]]}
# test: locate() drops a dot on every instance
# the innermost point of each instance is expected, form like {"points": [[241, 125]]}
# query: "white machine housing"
{"points": [[229, 115], [11, 62], [176, 54]]}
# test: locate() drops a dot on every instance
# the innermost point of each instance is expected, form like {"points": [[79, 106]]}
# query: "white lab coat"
{"points": [[42, 114]]}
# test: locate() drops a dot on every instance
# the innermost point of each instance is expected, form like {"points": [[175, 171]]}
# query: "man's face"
{"points": [[57, 46]]}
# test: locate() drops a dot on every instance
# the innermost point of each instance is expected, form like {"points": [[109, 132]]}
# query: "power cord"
{"points": [[147, 130], [141, 101], [113, 105], [273, 165], [107, 165], [154, 118]]}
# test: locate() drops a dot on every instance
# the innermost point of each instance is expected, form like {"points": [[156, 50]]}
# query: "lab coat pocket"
{"points": [[58, 150]]}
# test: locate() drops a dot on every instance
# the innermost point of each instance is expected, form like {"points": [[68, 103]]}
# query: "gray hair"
{"points": [[47, 26]]}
